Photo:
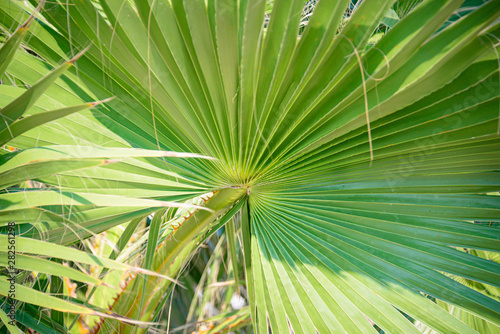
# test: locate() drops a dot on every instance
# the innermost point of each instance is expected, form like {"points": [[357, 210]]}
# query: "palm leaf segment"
{"points": [[362, 163]]}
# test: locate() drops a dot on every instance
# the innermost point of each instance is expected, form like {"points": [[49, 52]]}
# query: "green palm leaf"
{"points": [[360, 169]]}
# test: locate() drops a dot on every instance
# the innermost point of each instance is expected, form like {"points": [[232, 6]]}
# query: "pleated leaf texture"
{"points": [[365, 171]]}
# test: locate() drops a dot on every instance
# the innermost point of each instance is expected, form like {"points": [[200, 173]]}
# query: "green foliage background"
{"points": [[349, 149]]}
